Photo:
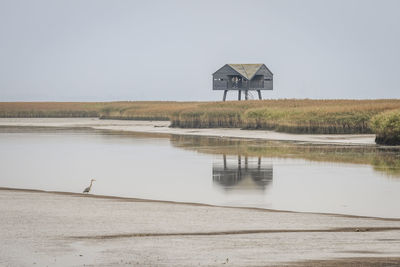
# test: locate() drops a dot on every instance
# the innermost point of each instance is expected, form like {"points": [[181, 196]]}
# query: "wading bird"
{"points": [[87, 189]]}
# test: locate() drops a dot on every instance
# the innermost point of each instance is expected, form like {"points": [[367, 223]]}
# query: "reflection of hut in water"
{"points": [[248, 175]]}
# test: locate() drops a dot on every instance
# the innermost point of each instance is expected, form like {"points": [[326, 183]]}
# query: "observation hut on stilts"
{"points": [[243, 78]]}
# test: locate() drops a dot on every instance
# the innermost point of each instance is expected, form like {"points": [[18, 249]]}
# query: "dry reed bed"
{"points": [[296, 116], [286, 115]]}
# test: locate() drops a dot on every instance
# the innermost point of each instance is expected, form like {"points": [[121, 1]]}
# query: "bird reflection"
{"points": [[248, 175]]}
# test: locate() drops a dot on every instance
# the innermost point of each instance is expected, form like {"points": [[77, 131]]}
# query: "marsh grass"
{"points": [[286, 115], [49, 109], [294, 116]]}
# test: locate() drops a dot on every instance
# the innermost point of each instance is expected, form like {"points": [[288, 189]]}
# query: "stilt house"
{"points": [[243, 77]]}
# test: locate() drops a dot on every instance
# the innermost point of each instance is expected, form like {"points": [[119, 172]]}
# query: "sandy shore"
{"points": [[161, 127], [65, 229]]}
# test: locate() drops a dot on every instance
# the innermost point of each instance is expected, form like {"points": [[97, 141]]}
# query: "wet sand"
{"points": [[66, 229], [162, 127]]}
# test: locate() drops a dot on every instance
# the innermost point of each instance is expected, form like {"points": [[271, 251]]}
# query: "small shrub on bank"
{"points": [[387, 127]]}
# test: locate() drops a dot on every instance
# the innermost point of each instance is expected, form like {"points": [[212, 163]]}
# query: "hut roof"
{"points": [[246, 70]]}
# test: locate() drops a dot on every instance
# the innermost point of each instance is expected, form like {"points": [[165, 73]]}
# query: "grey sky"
{"points": [[98, 50]]}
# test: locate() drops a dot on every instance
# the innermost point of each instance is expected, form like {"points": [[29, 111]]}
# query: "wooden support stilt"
{"points": [[246, 162], [224, 162], [238, 177], [259, 163], [239, 95], [225, 92], [246, 94], [259, 94]]}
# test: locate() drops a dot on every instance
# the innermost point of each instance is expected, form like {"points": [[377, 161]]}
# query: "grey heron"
{"points": [[87, 189]]}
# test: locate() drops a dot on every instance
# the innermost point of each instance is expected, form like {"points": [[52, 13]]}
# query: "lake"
{"points": [[356, 180]]}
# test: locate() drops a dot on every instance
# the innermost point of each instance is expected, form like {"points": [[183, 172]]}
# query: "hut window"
{"points": [[267, 79]]}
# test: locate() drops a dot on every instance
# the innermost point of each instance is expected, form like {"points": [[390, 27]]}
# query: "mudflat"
{"points": [[67, 229], [162, 127]]}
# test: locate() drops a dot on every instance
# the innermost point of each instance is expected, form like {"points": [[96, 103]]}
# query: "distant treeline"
{"points": [[287, 115]]}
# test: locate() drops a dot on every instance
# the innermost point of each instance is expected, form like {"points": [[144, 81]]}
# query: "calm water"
{"points": [[360, 181]]}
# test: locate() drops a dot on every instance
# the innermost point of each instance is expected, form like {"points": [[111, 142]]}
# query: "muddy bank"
{"points": [[162, 127], [64, 229]]}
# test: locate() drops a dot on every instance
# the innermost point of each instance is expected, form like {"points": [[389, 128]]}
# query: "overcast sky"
{"points": [[100, 50]]}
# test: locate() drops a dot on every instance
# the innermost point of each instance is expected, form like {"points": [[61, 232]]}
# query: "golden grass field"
{"points": [[285, 115]]}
